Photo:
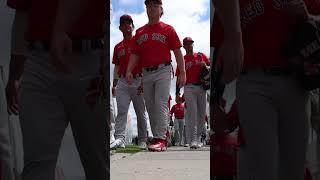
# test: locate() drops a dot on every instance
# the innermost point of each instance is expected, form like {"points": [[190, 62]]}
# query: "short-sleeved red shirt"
{"points": [[178, 111], [193, 68], [153, 43], [42, 14], [121, 55], [265, 27]]}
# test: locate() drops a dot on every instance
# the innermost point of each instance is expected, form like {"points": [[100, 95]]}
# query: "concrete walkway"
{"points": [[177, 163]]}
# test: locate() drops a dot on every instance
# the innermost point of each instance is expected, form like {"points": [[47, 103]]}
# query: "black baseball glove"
{"points": [[205, 77]]}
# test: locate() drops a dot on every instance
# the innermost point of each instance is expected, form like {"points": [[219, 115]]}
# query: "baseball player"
{"points": [[152, 45], [6, 159], [194, 94], [124, 92], [178, 111], [63, 82], [275, 131]]}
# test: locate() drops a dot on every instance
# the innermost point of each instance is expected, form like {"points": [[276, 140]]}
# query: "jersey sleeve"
{"points": [[174, 41]]}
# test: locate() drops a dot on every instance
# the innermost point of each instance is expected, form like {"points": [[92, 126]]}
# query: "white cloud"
{"points": [[128, 2], [183, 15]]}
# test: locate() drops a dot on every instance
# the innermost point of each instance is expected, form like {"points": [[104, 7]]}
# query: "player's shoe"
{"points": [[118, 143], [186, 145], [143, 145], [199, 145], [158, 145], [193, 145]]}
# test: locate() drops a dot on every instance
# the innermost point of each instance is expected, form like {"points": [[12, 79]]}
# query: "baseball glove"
{"points": [[205, 77], [303, 51]]}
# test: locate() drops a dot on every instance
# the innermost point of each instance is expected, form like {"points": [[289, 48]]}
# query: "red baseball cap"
{"points": [[155, 1], [124, 18], [187, 39]]}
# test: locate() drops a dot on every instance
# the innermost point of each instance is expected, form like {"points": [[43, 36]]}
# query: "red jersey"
{"points": [[193, 68], [42, 14], [265, 27], [121, 55], [178, 111], [224, 156], [153, 43]]}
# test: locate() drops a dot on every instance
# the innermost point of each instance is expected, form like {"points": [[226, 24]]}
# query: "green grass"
{"points": [[130, 149]]}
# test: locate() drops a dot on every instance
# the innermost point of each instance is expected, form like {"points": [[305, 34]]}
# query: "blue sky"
{"points": [[137, 6], [188, 17]]}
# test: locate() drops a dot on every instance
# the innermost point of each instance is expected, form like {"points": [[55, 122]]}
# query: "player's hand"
{"points": [[61, 48], [113, 91], [129, 77], [12, 97], [181, 79], [231, 55]]}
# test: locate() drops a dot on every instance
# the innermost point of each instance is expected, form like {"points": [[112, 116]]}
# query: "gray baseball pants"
{"points": [[126, 93], [178, 128], [195, 97], [156, 93], [273, 114], [48, 101], [6, 159]]}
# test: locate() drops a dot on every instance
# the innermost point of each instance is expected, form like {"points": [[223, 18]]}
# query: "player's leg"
{"points": [[162, 80], [259, 120], [42, 118], [123, 101], [176, 131], [6, 158], [181, 127], [293, 129], [140, 109], [149, 98], [190, 96], [88, 113], [202, 107]]}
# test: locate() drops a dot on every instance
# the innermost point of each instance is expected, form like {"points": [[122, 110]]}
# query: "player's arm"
{"points": [[229, 14], [181, 80], [115, 75], [231, 51], [177, 84], [133, 62], [115, 79], [17, 59]]}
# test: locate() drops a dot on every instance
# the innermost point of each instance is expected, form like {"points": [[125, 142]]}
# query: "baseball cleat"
{"points": [[118, 143], [158, 145]]}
